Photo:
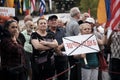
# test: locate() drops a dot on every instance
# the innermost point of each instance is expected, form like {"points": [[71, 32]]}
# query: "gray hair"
{"points": [[74, 11]]}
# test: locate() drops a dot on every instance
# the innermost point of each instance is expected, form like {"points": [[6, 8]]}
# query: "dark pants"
{"points": [[42, 71], [1, 74], [115, 69], [28, 64], [61, 64], [13, 75], [75, 73]]}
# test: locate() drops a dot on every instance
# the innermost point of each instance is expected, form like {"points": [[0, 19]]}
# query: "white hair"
{"points": [[83, 25], [74, 11]]}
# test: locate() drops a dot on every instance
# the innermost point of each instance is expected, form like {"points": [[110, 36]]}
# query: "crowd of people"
{"points": [[38, 53]]}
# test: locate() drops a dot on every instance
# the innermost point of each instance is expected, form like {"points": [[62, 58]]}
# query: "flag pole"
{"points": [[50, 6]]}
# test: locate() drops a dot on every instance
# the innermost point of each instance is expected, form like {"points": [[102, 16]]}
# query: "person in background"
{"points": [[114, 44], [90, 70], [61, 60], [27, 46], [1, 34], [28, 18], [85, 16], [43, 44], [3, 19], [12, 53], [72, 29], [19, 35], [60, 23], [102, 74], [91, 21]]}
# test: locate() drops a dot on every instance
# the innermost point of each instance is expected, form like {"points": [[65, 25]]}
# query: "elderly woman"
{"points": [[43, 48], [12, 53], [90, 70]]}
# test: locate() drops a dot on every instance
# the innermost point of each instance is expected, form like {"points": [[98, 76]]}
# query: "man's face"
{"points": [[52, 22], [30, 27], [60, 23]]}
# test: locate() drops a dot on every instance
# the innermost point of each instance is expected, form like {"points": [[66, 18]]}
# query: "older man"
{"points": [[72, 29], [29, 28], [60, 58]]}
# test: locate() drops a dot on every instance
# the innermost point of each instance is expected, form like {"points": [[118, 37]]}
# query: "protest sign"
{"points": [[80, 44], [5, 11]]}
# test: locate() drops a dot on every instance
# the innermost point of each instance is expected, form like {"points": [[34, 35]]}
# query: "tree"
{"points": [[85, 5]]}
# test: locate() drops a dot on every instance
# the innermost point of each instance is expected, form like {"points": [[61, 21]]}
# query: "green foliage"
{"points": [[85, 5]]}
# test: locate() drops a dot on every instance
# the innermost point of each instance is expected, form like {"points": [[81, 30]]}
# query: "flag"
{"points": [[19, 6], [26, 6], [32, 6], [101, 12], [42, 7], [10, 3], [109, 13], [115, 14]]}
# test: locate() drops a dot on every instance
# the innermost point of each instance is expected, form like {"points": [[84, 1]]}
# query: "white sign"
{"points": [[80, 44], [5, 11]]}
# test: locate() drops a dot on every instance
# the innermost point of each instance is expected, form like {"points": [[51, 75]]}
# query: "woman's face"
{"points": [[13, 28], [42, 25], [86, 29]]}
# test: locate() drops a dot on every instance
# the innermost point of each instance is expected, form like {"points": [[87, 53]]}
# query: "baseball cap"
{"points": [[90, 20], [52, 17]]}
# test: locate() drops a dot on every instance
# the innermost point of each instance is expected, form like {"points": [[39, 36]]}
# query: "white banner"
{"points": [[5, 11], [80, 44]]}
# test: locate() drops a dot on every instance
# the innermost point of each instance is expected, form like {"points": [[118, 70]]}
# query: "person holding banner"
{"points": [[99, 33], [90, 62]]}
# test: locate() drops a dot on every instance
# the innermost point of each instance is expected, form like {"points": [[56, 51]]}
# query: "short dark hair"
{"points": [[16, 18]]}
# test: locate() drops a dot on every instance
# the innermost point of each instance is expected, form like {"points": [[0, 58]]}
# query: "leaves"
{"points": [[85, 5]]}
